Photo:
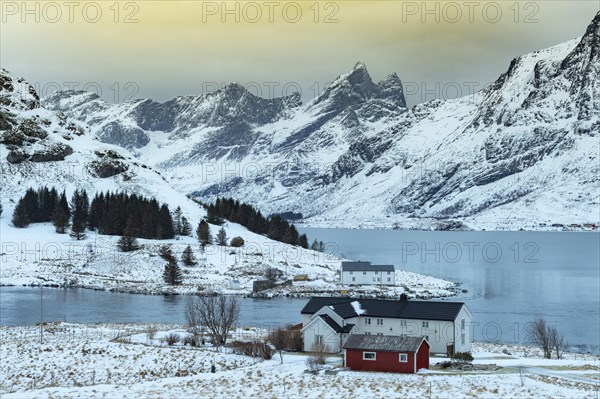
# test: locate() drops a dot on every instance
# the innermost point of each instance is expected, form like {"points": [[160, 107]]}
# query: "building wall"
{"points": [[320, 328], [466, 329], [368, 278], [385, 361], [438, 333], [423, 357]]}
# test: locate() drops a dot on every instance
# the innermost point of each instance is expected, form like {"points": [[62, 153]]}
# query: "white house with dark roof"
{"points": [[364, 273], [447, 326]]}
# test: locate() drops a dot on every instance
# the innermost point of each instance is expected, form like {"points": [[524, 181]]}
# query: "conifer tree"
{"points": [[315, 245], [172, 273], [187, 257], [128, 242], [61, 214], [20, 217], [186, 227], [203, 232], [177, 223], [30, 204], [303, 241], [321, 246], [212, 214], [164, 227], [222, 237], [80, 206]]}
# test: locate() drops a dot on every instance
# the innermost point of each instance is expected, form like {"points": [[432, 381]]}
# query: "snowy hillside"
{"points": [[40, 147], [522, 152]]}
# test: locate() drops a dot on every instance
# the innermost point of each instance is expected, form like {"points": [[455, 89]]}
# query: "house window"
{"points": [[379, 322], [425, 324], [367, 333], [427, 338], [389, 279], [374, 279], [369, 356], [367, 321], [462, 324], [462, 338], [319, 339], [402, 323], [353, 278], [388, 273], [379, 333], [365, 273], [376, 272], [378, 278], [403, 358], [350, 272]]}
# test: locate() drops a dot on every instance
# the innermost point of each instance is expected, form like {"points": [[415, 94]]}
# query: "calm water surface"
{"points": [[510, 277]]}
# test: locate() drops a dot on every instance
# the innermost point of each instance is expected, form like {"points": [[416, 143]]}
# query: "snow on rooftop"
{"points": [[357, 308]]}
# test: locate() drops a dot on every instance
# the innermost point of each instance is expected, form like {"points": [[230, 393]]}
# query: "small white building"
{"points": [[364, 273], [447, 326]]}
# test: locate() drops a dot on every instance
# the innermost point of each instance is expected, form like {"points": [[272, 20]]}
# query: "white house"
{"points": [[364, 273], [447, 326]]}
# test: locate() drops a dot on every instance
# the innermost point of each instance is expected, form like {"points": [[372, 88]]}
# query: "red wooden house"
{"points": [[398, 354]]}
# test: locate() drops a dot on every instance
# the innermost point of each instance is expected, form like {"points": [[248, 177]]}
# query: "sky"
{"points": [[161, 49]]}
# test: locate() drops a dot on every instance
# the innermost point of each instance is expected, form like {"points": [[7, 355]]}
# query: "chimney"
{"points": [[404, 297]]}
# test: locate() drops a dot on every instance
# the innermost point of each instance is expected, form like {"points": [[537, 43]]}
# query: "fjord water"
{"points": [[510, 278]]}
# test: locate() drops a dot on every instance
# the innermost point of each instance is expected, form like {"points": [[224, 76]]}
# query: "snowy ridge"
{"points": [[521, 153]]}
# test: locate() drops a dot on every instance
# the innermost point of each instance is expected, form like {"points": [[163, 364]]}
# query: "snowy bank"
{"points": [[114, 361]]}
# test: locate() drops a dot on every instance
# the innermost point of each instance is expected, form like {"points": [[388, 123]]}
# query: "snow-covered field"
{"points": [[113, 361], [37, 255]]}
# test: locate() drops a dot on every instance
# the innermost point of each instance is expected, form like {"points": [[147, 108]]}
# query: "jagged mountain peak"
{"points": [[17, 92], [356, 87]]}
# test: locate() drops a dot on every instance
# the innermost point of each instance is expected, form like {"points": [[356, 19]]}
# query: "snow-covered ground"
{"points": [[113, 361], [37, 255]]}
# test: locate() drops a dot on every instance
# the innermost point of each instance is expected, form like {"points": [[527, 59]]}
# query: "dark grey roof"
{"points": [[365, 267], [384, 343], [337, 328], [421, 310]]}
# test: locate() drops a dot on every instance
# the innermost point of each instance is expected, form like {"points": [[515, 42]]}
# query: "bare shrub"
{"points": [[540, 336], [191, 340], [273, 274], [557, 342], [151, 332], [295, 340], [254, 349], [445, 364], [172, 338], [313, 365], [217, 314], [319, 353], [122, 338], [286, 339], [462, 357], [548, 339], [278, 338]]}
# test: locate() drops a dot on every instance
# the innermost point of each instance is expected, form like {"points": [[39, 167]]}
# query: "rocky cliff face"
{"points": [[525, 149], [43, 147]]}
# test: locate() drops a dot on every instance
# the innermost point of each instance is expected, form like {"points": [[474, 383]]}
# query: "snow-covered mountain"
{"points": [[522, 151], [40, 147]]}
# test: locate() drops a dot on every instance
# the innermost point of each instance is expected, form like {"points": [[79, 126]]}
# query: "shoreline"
{"points": [[453, 291], [426, 227]]}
